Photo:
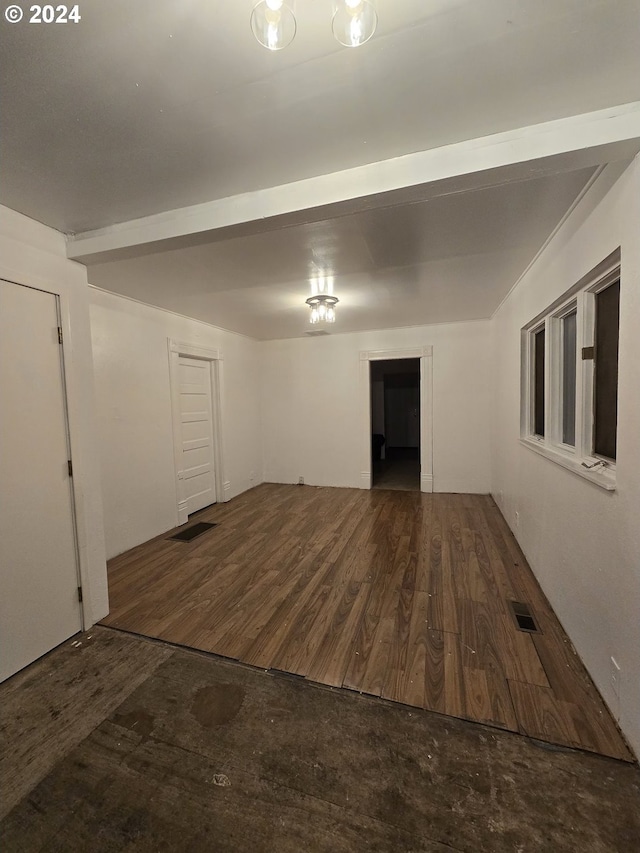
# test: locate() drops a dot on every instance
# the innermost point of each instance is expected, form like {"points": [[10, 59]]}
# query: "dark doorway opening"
{"points": [[395, 424]]}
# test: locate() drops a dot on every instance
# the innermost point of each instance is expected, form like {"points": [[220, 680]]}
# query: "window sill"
{"points": [[606, 478]]}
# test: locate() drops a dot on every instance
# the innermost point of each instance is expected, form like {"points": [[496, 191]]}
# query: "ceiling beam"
{"points": [[557, 146]]}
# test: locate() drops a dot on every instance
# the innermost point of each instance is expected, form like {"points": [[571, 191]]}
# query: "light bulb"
{"points": [[331, 314], [354, 22], [314, 315], [273, 24], [272, 37], [322, 310]]}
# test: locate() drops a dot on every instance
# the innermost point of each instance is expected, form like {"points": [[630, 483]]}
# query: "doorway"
{"points": [[395, 424]]}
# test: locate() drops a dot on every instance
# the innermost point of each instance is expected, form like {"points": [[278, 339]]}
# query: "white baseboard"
{"points": [[461, 487], [183, 513], [365, 479], [227, 492], [426, 483]]}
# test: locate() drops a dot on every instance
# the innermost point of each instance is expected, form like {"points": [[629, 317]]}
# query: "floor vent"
{"points": [[524, 617], [191, 532]]}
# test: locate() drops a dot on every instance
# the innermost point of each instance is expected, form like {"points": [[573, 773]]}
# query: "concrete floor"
{"points": [[122, 743]]}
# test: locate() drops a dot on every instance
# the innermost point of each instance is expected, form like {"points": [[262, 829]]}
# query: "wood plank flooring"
{"points": [[396, 594]]}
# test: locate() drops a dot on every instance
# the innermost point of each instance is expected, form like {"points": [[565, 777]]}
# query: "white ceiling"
{"points": [[153, 105], [452, 258]]}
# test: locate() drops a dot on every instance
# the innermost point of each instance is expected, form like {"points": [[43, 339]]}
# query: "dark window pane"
{"points": [[606, 371], [538, 393], [569, 379]]}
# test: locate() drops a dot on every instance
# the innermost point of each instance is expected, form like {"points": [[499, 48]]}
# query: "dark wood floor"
{"points": [[396, 594]]}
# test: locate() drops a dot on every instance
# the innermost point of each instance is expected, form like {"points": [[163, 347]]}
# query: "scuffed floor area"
{"points": [[121, 743]]}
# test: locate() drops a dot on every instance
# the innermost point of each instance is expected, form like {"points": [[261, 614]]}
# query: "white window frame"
{"points": [[556, 376], [579, 459]]}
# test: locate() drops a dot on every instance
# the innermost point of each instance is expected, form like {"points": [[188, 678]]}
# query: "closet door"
{"points": [[196, 417], [39, 604]]}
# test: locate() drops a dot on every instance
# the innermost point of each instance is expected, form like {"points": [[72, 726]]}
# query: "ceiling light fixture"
{"points": [[273, 22], [323, 308], [322, 302], [354, 22]]}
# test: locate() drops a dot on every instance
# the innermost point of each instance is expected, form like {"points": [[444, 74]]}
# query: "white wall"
{"points": [[582, 542], [311, 399], [33, 255], [131, 366]]}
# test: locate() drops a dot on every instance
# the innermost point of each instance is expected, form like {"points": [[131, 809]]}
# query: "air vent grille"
{"points": [[191, 532], [523, 617]]}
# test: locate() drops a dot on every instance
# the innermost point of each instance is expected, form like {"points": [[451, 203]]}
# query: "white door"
{"points": [[198, 481], [39, 606]]}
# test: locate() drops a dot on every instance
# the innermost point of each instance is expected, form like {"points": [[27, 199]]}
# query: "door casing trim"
{"points": [[425, 354]]}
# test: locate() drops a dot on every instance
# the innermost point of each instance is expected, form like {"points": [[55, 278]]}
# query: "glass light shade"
{"points": [[354, 22], [273, 24], [322, 307]]}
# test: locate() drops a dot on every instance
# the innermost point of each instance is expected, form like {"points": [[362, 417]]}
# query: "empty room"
{"points": [[320, 426]]}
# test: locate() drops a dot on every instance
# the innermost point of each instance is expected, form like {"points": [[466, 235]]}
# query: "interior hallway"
{"points": [[401, 595]]}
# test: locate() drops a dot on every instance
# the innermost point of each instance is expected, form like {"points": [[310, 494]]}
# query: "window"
{"points": [[606, 371], [569, 369], [570, 377], [538, 380]]}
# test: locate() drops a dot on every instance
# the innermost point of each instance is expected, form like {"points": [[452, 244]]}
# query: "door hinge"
{"points": [[587, 353], [59, 334], [80, 594], [70, 467]]}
